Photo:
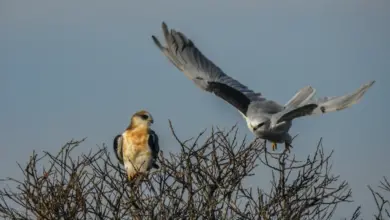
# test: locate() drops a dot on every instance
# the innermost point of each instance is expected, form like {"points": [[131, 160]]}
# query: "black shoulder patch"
{"points": [[323, 109], [118, 148], [154, 145], [231, 95]]}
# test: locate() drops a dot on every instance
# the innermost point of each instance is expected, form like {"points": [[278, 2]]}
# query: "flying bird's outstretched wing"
{"points": [[183, 53], [302, 96], [321, 105], [154, 145], [118, 148]]}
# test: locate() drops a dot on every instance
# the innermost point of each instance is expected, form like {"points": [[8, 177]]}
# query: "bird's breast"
{"points": [[136, 141]]}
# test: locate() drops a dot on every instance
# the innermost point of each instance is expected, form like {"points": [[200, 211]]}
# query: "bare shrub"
{"points": [[203, 181]]}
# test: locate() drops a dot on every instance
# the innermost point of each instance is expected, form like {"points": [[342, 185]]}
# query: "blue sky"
{"points": [[75, 69]]}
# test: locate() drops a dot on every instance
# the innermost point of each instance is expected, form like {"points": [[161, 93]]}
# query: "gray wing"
{"points": [[154, 145], [291, 110], [183, 53], [118, 140], [302, 96], [321, 105]]}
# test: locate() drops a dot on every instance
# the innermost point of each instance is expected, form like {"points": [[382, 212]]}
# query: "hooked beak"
{"points": [[151, 121]]}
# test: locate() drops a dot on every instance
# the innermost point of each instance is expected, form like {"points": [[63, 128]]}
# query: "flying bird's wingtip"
{"points": [[165, 30], [164, 25], [310, 88], [362, 90], [307, 88], [369, 84], [154, 38], [157, 42]]}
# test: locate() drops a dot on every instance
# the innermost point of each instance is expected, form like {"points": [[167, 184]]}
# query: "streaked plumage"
{"points": [[267, 119], [137, 147]]}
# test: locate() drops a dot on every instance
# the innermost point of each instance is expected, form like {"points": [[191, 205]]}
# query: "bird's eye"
{"points": [[258, 126], [144, 117]]}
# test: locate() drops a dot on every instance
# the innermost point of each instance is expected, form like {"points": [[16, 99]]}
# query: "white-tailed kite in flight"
{"points": [[137, 147], [265, 118]]}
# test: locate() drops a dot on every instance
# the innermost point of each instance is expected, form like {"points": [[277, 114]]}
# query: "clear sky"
{"points": [[74, 69]]}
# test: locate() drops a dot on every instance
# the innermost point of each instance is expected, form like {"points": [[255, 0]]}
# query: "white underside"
{"points": [[142, 163]]}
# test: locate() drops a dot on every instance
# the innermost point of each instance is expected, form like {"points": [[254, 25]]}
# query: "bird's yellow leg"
{"points": [[274, 146]]}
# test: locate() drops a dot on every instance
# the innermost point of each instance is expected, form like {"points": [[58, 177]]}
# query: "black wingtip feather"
{"points": [[164, 25], [157, 42], [165, 29]]}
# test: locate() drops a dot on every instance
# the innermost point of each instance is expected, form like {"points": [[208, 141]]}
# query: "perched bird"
{"points": [[137, 147], [267, 119]]}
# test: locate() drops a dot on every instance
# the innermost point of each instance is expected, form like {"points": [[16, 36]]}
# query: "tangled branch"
{"points": [[203, 181]]}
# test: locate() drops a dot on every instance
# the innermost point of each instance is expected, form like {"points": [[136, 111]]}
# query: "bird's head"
{"points": [[141, 118], [258, 123]]}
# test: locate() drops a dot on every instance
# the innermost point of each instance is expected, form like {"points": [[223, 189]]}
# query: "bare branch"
{"points": [[205, 180]]}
